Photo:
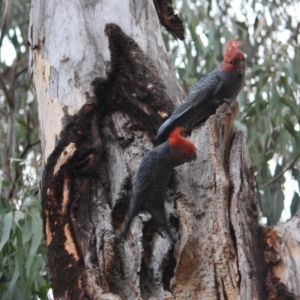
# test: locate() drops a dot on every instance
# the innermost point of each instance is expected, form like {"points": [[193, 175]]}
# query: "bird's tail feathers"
{"points": [[165, 129]]}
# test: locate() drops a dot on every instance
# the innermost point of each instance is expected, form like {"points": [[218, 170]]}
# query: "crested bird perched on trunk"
{"points": [[219, 86], [150, 186]]}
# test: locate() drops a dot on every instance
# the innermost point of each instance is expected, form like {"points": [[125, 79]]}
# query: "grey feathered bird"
{"points": [[222, 84], [150, 186]]}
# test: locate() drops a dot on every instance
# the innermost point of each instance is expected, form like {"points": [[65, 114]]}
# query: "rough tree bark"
{"points": [[103, 85]]}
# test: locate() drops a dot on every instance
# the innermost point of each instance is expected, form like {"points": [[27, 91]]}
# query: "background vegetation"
{"points": [[22, 253], [269, 117]]}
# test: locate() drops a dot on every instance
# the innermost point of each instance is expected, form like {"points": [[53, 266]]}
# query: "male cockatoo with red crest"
{"points": [[221, 85]]}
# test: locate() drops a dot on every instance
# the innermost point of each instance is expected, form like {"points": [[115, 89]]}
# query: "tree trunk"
{"points": [[103, 89]]}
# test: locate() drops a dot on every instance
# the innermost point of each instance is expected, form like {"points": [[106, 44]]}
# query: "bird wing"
{"points": [[149, 185], [165, 129], [148, 180], [141, 190], [206, 87], [197, 99]]}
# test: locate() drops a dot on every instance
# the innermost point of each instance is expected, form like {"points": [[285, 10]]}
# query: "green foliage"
{"points": [[269, 114], [295, 206], [22, 253]]}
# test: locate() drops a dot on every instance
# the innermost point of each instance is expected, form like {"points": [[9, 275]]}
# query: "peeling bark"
{"points": [[167, 17], [282, 255]]}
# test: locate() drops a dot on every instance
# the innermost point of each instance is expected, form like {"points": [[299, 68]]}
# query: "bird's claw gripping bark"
{"points": [[225, 100], [177, 196]]}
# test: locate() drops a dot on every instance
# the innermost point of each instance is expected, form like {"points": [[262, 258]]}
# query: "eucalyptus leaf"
{"points": [[6, 229], [295, 204]]}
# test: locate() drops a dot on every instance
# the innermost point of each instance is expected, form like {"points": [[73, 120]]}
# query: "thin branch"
{"points": [[15, 76], [27, 148], [274, 179], [3, 112], [22, 71], [12, 87], [18, 173], [16, 64], [5, 19], [6, 92], [28, 128]]}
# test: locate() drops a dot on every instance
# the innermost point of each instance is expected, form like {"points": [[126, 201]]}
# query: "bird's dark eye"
{"points": [[231, 62]]}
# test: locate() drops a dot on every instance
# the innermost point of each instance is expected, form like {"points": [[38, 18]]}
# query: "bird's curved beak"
{"points": [[193, 156], [240, 66]]}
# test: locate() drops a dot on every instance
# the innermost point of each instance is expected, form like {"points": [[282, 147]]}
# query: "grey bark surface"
{"points": [[103, 85], [215, 258]]}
